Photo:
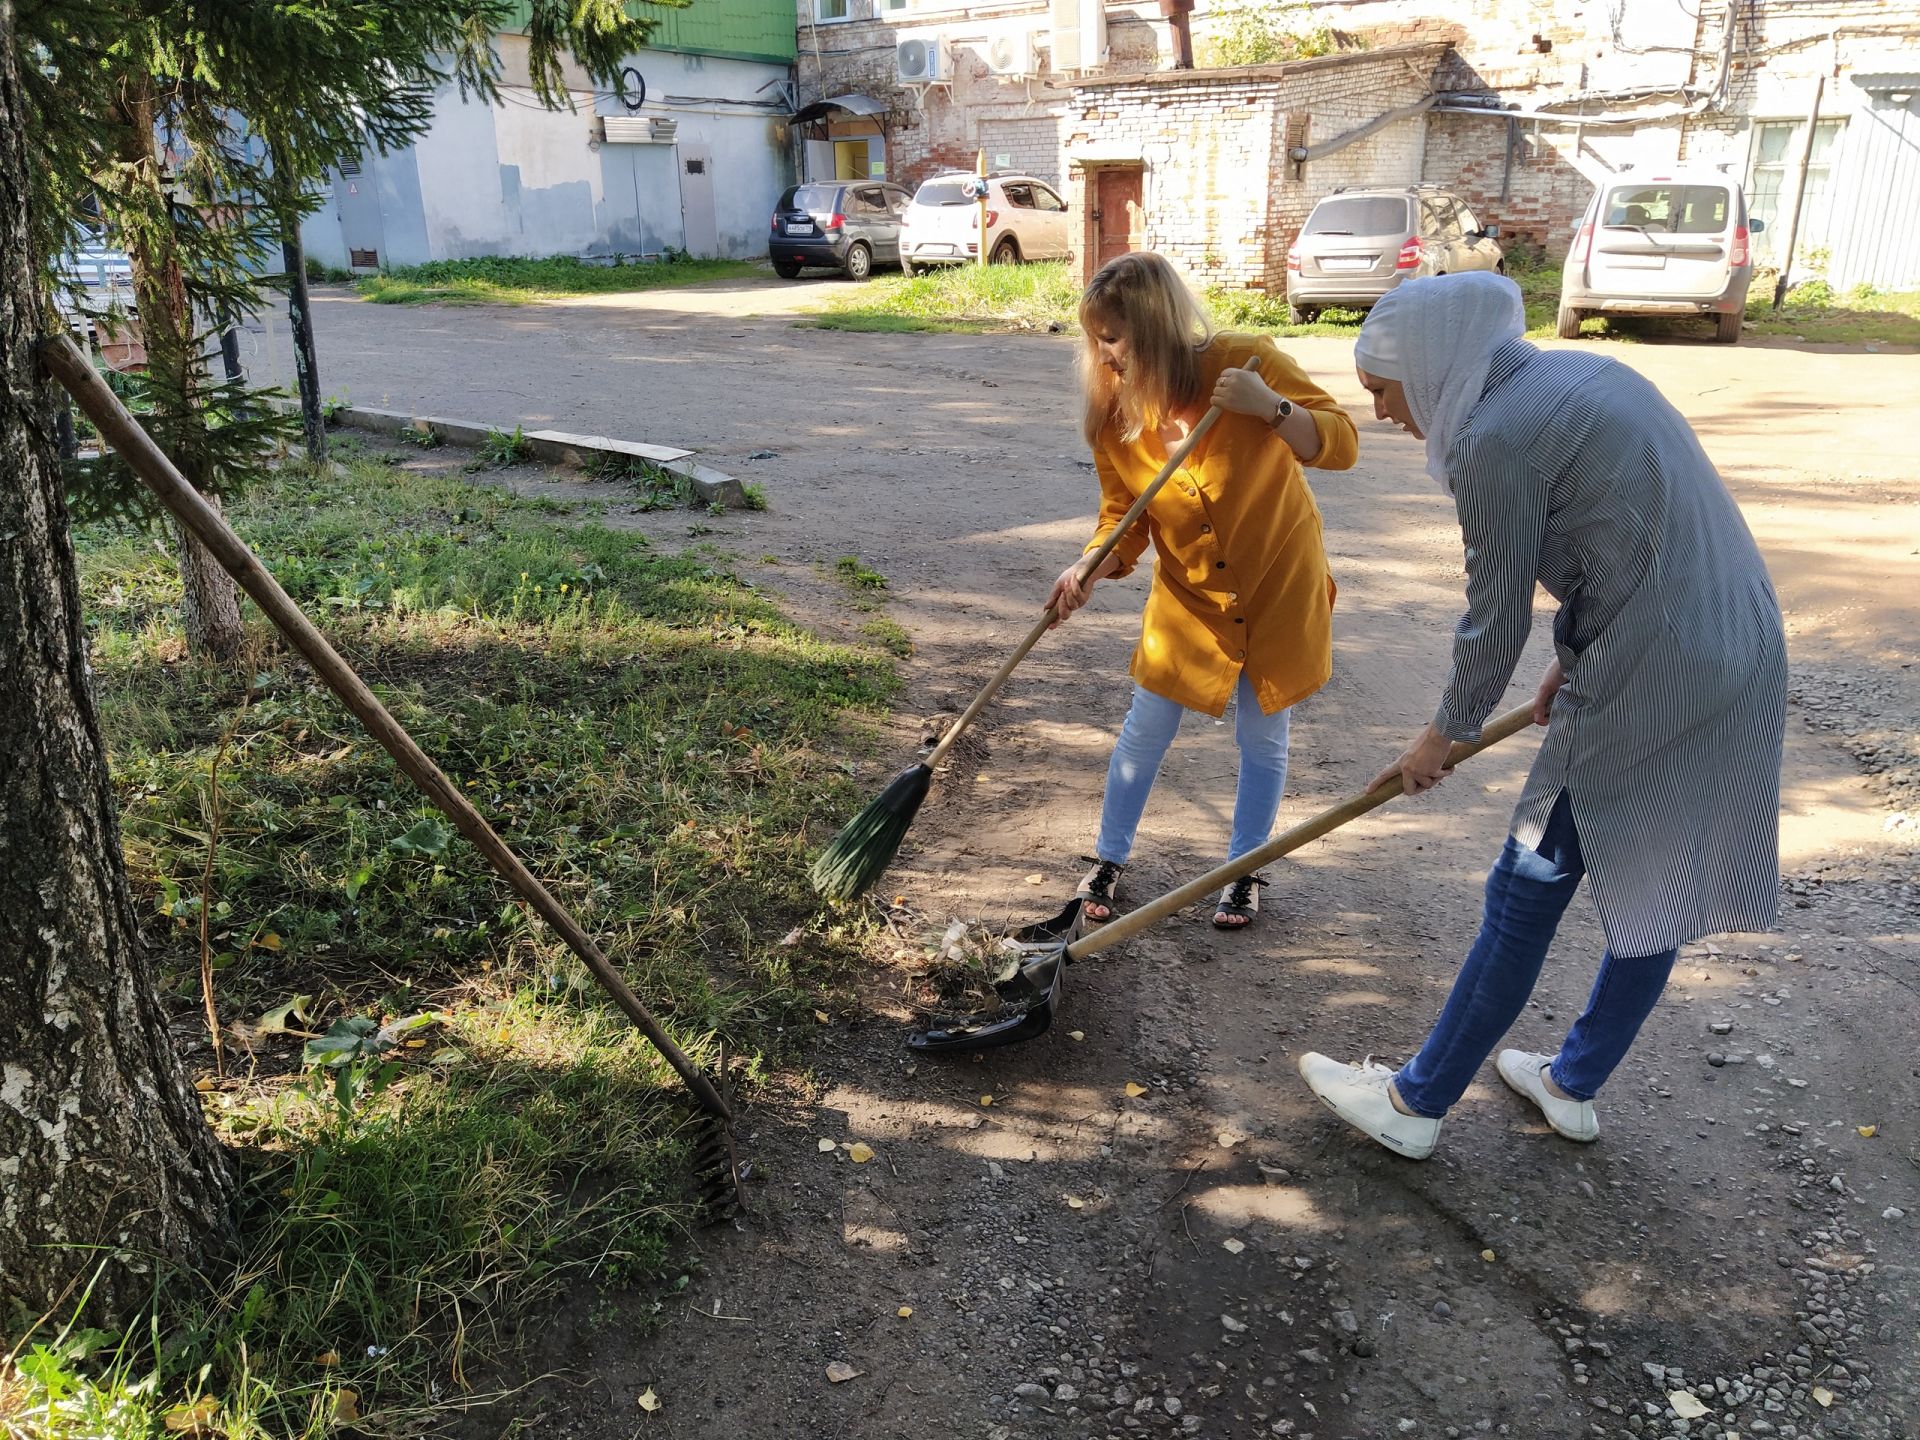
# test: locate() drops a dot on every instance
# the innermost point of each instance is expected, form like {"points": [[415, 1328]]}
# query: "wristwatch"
{"points": [[1286, 409]]}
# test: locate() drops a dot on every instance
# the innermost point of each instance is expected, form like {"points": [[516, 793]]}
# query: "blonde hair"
{"points": [[1141, 297]]}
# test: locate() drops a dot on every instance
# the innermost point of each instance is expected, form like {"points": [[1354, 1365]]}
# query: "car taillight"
{"points": [[993, 218], [1583, 242], [1740, 243], [1293, 258], [836, 221], [1409, 256]]}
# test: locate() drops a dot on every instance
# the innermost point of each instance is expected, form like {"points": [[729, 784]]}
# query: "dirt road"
{"points": [[1081, 1263]]}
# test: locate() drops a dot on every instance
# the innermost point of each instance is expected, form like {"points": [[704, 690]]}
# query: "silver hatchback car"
{"points": [[1358, 244]]}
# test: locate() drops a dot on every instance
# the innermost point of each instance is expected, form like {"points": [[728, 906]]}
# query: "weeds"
{"points": [[442, 1122], [321, 273], [755, 494], [858, 575], [507, 280], [889, 635], [500, 449], [424, 437]]}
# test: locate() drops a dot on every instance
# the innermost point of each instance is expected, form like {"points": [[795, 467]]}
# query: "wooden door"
{"points": [[1116, 211]]}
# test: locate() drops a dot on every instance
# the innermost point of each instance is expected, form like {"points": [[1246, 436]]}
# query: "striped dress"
{"points": [[1575, 472]]}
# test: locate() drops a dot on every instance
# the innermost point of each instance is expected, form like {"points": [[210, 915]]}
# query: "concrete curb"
{"points": [[556, 447]]}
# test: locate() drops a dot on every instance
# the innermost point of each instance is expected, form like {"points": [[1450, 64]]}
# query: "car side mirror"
{"points": [[1492, 232], [1754, 227]]}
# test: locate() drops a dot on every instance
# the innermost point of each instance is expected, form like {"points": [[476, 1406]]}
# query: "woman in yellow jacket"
{"points": [[1241, 606]]}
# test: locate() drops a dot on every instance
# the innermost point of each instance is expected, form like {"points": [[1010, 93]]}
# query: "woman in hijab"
{"points": [[1665, 702], [1241, 605]]}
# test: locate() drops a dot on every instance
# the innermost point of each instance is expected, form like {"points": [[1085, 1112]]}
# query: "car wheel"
{"points": [[786, 269], [859, 263], [907, 267], [1007, 252], [1726, 328], [1301, 314], [1569, 327]]}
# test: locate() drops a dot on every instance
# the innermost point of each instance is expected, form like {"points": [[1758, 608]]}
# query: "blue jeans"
{"points": [[1527, 892], [1151, 724]]}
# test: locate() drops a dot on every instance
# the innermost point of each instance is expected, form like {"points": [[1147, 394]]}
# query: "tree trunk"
{"points": [[210, 601], [306, 365], [102, 1140]]}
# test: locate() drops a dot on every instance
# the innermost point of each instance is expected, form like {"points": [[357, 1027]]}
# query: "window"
{"points": [[1019, 196], [1468, 222], [1776, 159], [898, 200], [1045, 199], [886, 5], [1669, 209], [1438, 220], [825, 10], [1359, 215], [943, 192], [870, 202]]}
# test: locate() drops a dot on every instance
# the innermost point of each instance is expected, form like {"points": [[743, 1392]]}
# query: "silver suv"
{"points": [[1358, 244], [1676, 243]]}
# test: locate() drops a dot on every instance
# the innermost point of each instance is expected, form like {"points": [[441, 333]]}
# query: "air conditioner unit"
{"points": [[1010, 53], [922, 62], [1079, 34]]}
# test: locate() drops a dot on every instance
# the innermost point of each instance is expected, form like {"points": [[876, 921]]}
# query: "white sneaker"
{"points": [[1525, 1074], [1358, 1095]]}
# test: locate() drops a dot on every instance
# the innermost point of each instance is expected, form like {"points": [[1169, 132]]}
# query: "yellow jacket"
{"points": [[1241, 578]]}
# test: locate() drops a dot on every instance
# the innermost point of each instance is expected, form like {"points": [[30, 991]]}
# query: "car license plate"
{"points": [[1637, 262], [799, 227], [1347, 262]]}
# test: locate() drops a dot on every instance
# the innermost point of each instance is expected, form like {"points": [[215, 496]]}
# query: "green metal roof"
{"points": [[737, 29]]}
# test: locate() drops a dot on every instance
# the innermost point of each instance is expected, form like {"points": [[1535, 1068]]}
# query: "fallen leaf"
{"points": [[416, 1044], [1228, 1139], [1076, 1034], [328, 1360], [826, 1145], [649, 1401], [1823, 1396], [277, 1020], [1233, 1247], [839, 1371], [1074, 1202], [346, 1405], [792, 937], [859, 1152], [1487, 1255], [197, 1417], [267, 940], [203, 1084], [1135, 1090], [1036, 879], [1686, 1404], [986, 1099], [1867, 1132], [905, 1312], [823, 1017]]}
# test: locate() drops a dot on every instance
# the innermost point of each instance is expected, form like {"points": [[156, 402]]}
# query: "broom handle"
{"points": [[74, 370], [1132, 923], [1092, 562]]}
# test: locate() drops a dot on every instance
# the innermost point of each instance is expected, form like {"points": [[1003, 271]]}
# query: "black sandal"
{"points": [[1100, 889], [1242, 899]]}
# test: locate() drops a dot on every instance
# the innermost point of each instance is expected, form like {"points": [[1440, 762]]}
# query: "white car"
{"points": [[1674, 243], [1026, 220]]}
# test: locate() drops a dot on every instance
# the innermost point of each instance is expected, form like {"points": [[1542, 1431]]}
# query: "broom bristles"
{"points": [[860, 854]]}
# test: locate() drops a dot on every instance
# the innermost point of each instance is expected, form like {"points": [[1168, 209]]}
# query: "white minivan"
{"points": [[1674, 243]]}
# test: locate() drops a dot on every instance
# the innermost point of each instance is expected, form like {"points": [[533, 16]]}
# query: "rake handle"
{"points": [[1287, 841], [1048, 617], [75, 371]]}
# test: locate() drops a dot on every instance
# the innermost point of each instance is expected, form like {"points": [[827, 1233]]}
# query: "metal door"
{"points": [[361, 227], [1117, 215], [696, 201]]}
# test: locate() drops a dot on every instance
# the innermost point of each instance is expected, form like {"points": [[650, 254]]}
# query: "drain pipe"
{"points": [[1175, 13]]}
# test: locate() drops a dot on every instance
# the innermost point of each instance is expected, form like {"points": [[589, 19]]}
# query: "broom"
{"points": [[866, 844]]}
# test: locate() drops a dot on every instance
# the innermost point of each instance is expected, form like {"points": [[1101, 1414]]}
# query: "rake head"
{"points": [[860, 854], [717, 1177]]}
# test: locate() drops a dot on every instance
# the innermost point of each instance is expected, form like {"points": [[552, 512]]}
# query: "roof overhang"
{"points": [[852, 104]]}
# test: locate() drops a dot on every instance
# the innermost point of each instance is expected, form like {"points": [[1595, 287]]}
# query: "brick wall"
{"points": [[1221, 198], [1029, 145]]}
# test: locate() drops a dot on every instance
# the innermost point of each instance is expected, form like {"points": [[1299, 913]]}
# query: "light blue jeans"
{"points": [[1151, 724]]}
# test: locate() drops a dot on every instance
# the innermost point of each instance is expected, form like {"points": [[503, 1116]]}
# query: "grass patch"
{"points": [[966, 299], [889, 635], [504, 280], [1815, 312], [501, 449], [649, 733], [858, 575]]}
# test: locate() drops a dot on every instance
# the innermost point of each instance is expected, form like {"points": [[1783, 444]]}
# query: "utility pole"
{"points": [[982, 168], [1799, 192]]}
